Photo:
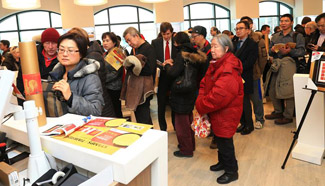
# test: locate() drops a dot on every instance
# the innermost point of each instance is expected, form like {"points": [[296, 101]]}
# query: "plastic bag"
{"points": [[201, 125]]}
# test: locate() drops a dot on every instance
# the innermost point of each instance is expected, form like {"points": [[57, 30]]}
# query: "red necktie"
{"points": [[167, 54]]}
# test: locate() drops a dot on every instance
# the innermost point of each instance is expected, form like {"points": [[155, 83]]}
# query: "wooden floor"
{"points": [[259, 155]]}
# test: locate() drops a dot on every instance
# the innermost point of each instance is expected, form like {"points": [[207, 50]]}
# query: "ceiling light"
{"points": [[153, 1], [90, 2], [21, 4]]}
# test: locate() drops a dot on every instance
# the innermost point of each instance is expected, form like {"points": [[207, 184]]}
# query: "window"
{"points": [[270, 12], [117, 19], [22, 26], [213, 15]]}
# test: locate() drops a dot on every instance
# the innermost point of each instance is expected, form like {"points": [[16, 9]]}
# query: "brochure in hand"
{"points": [[115, 58], [278, 46]]}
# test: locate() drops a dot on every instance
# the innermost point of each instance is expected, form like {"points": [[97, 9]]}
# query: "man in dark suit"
{"points": [[247, 51], [165, 51], [317, 40]]}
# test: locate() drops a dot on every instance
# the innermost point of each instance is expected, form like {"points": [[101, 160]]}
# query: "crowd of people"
{"points": [[225, 77]]}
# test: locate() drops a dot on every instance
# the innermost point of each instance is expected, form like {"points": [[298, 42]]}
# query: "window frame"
{"points": [[214, 19], [18, 30], [138, 22], [278, 15]]}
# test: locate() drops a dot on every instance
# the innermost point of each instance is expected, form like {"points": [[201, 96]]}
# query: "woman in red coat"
{"points": [[221, 97]]}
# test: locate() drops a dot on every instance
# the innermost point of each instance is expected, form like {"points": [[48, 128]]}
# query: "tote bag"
{"points": [[53, 106]]}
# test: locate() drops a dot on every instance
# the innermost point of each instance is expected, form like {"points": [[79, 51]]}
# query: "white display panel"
{"points": [[6, 80]]}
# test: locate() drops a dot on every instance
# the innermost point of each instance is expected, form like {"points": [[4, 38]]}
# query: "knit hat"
{"points": [[200, 30], [50, 34]]}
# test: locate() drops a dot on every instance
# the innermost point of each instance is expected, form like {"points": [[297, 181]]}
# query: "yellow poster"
{"points": [[106, 135]]}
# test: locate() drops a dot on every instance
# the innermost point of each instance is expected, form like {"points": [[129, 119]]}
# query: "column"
{"points": [[170, 11], [244, 8], [76, 16], [307, 7]]}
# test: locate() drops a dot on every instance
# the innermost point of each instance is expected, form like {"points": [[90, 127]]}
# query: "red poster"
{"points": [[32, 84], [106, 137]]}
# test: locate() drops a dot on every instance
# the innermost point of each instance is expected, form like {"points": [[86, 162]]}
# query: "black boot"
{"points": [[227, 177], [246, 130], [240, 128], [217, 167]]}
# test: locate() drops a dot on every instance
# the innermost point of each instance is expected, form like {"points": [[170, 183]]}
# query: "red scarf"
{"points": [[205, 44], [47, 60]]}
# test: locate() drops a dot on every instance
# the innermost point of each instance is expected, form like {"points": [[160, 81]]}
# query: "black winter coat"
{"points": [[248, 54], [95, 52], [113, 77], [183, 103]]}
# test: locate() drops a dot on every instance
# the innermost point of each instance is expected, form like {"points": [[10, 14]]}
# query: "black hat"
{"points": [[200, 30]]}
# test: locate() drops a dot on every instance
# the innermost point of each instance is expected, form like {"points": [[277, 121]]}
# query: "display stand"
{"points": [[145, 161], [295, 137], [310, 145]]}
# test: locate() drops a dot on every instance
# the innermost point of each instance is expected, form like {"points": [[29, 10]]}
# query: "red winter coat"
{"points": [[221, 95]]}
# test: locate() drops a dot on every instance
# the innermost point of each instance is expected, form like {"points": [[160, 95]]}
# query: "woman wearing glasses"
{"points": [[81, 90]]}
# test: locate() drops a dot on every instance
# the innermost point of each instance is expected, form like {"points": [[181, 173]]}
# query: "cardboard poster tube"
{"points": [[32, 77]]}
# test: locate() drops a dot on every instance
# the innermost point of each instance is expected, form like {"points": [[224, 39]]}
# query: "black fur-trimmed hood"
{"points": [[195, 57]]}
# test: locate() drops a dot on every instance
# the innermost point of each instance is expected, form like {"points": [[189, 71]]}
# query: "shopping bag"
{"points": [[201, 125]]}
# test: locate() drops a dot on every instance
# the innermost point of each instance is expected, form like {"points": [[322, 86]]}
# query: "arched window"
{"points": [[22, 26], [207, 15], [270, 13], [117, 19]]}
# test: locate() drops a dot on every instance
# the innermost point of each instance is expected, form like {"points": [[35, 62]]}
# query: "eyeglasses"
{"points": [[69, 52], [194, 36], [239, 28], [320, 26]]}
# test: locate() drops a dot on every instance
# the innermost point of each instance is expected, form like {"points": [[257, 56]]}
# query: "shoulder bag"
{"points": [[187, 81]]}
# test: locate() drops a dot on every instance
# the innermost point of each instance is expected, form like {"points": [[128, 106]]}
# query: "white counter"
{"points": [[150, 149]]}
